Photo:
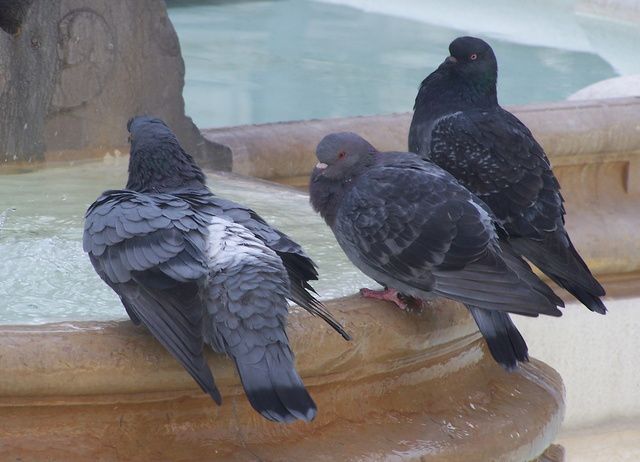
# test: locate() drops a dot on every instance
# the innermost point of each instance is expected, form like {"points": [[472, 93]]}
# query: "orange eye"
{"points": [[473, 57], [341, 154]]}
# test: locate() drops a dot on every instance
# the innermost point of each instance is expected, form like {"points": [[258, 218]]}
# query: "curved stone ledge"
{"points": [[408, 386], [572, 132]]}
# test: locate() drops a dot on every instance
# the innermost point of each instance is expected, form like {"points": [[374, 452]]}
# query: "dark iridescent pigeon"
{"points": [[459, 125], [413, 228], [196, 269]]}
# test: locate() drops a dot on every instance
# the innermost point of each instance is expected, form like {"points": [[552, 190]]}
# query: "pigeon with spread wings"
{"points": [[196, 269]]}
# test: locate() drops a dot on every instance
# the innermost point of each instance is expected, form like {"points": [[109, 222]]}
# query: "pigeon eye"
{"points": [[473, 56], [341, 154]]}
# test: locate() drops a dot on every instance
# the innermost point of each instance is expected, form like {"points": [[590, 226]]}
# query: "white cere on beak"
{"points": [[321, 165]]}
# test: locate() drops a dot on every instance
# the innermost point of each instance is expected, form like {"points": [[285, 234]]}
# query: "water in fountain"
{"points": [[45, 276]]}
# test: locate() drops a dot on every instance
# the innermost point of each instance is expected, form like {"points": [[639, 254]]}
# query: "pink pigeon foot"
{"points": [[390, 295]]}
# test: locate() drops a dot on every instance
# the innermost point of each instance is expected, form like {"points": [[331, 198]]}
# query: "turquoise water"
{"points": [[265, 61]]}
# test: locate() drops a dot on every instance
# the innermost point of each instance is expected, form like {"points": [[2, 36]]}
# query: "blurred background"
{"points": [[263, 61]]}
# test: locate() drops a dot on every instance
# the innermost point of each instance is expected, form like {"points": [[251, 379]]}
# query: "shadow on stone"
{"points": [[12, 14]]}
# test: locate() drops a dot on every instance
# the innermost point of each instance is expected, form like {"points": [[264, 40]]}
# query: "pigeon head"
{"points": [[341, 155], [472, 51], [466, 78], [157, 161], [473, 60]]}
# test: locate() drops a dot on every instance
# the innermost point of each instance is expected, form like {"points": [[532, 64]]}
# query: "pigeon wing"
{"points": [[150, 250], [494, 155], [300, 268], [400, 219], [246, 318], [417, 225]]}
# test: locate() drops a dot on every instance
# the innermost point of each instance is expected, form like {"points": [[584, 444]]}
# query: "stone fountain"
{"points": [[411, 386]]}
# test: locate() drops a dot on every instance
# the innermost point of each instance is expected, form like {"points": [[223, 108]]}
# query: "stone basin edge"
{"points": [[413, 377]]}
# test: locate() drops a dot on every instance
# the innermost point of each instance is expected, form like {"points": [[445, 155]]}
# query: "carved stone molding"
{"points": [[572, 132], [87, 52]]}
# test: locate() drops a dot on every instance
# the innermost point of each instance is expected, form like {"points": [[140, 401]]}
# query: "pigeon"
{"points": [[459, 125], [410, 226], [197, 270]]}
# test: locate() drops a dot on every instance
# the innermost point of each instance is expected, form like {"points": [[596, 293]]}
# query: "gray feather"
{"points": [[246, 313]]}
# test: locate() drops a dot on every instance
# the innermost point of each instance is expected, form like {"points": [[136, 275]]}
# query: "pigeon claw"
{"points": [[390, 295]]}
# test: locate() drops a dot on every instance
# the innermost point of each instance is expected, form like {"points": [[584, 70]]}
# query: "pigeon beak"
{"points": [[318, 172], [450, 60]]}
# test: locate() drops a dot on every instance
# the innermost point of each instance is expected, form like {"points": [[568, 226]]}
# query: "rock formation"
{"points": [[72, 72]]}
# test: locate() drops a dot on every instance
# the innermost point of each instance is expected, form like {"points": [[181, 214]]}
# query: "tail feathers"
{"points": [[273, 386], [524, 272], [588, 299], [505, 342], [558, 259]]}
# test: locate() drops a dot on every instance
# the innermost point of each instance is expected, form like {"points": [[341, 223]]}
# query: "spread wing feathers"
{"points": [[434, 236], [246, 311], [558, 259], [496, 157], [300, 268], [131, 232], [175, 318], [503, 338], [150, 250]]}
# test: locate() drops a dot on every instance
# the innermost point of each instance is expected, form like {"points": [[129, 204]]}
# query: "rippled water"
{"points": [[45, 276], [266, 61]]}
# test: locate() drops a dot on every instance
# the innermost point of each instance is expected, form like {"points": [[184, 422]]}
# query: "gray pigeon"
{"points": [[413, 228], [196, 269], [459, 125]]}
